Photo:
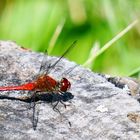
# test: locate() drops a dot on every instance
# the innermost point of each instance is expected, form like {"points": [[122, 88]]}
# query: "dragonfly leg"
{"points": [[56, 109], [65, 105]]}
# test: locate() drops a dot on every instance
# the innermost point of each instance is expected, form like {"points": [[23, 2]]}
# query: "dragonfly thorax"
{"points": [[47, 83]]}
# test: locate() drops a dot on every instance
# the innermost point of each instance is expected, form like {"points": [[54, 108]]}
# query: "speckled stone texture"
{"points": [[98, 110]]}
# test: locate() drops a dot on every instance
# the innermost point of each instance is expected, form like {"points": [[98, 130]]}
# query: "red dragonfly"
{"points": [[56, 90]]}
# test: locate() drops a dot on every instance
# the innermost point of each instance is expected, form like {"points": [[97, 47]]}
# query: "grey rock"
{"points": [[98, 110]]}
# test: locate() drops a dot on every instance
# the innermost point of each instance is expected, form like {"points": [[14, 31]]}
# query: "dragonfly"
{"points": [[51, 89]]}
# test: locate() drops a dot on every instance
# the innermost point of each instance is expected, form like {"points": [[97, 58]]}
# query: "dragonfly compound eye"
{"points": [[64, 85]]}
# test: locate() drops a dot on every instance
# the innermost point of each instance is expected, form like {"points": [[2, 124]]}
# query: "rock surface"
{"points": [[98, 110]]}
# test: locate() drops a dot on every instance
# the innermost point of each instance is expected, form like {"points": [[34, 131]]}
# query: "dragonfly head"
{"points": [[64, 85]]}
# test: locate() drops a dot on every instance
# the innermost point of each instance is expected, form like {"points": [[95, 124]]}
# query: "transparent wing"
{"points": [[50, 67], [43, 66]]}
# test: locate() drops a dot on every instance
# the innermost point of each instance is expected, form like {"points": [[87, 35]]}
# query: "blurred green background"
{"points": [[55, 24]]}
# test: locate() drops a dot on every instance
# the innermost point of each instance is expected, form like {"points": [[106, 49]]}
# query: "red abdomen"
{"points": [[43, 83]]}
